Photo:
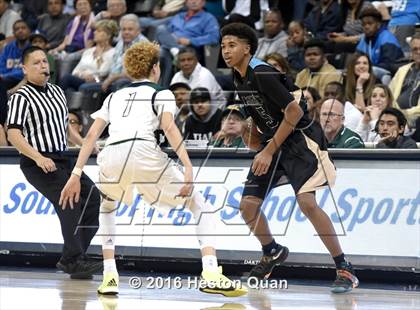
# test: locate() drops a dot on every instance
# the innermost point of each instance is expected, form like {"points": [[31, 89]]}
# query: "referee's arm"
{"points": [[15, 137]]}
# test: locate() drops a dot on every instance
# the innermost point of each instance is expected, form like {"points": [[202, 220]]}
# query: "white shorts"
{"points": [[141, 166]]}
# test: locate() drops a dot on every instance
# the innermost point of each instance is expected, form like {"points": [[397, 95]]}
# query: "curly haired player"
{"points": [[132, 159]]}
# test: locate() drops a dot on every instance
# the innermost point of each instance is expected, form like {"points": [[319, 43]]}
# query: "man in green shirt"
{"points": [[230, 133], [332, 122]]}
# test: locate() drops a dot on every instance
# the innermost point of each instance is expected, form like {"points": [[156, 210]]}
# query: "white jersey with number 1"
{"points": [[131, 112]]}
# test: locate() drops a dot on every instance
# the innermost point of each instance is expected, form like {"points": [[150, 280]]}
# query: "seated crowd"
{"points": [[357, 62]]}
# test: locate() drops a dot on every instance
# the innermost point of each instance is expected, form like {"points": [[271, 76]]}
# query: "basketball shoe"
{"points": [[109, 284], [264, 268], [346, 279], [217, 283]]}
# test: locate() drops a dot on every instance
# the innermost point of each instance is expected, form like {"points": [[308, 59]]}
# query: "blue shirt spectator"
{"points": [[193, 27], [11, 58], [377, 42], [405, 12], [201, 28]]}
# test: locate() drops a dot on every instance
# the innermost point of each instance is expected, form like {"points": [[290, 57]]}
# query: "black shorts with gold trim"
{"points": [[302, 161]]}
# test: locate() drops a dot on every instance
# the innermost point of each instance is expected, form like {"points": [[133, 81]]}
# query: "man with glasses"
{"points": [[332, 122]]}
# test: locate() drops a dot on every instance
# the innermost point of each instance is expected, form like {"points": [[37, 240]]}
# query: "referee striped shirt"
{"points": [[41, 113]]}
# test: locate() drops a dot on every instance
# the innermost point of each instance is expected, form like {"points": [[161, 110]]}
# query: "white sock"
{"points": [[210, 263], [110, 266]]}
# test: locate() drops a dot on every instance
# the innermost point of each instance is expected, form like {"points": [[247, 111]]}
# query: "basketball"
{"points": [[252, 137]]}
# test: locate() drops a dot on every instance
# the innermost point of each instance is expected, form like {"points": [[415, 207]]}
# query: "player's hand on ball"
{"points": [[186, 189], [261, 163], [70, 192]]}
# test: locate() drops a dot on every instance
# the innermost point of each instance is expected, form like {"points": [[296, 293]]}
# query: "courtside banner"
{"points": [[375, 211]]}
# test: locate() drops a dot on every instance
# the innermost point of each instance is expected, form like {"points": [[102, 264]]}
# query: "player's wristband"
{"points": [[77, 171]]}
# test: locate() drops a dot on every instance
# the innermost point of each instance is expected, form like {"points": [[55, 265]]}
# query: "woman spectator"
{"points": [[96, 62], [379, 99], [313, 99], [295, 51], [79, 32], [79, 35], [360, 80], [278, 62]]}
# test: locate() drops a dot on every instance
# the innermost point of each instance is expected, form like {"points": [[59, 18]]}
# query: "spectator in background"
{"points": [[390, 127], [278, 62], [379, 99], [30, 11], [230, 134], [379, 44], [96, 62], [205, 118], [195, 75], [318, 72], [359, 80], [53, 24], [115, 9], [404, 16], [79, 36], [79, 32], [312, 101], [76, 122], [7, 19], [181, 92], [130, 34], [243, 11], [11, 58], [295, 45], [405, 86], [274, 40], [335, 90], [193, 27], [347, 40], [161, 14], [323, 19], [332, 122]]}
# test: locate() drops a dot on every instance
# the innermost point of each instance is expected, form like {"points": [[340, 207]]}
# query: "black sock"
{"points": [[270, 248], [339, 259]]}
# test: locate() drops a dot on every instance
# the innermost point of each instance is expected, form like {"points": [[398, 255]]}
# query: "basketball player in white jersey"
{"points": [[132, 159]]}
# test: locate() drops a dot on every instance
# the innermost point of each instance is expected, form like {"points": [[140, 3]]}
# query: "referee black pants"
{"points": [[78, 225]]}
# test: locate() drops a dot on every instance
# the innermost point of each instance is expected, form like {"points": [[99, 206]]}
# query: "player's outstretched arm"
{"points": [[71, 191], [174, 137]]}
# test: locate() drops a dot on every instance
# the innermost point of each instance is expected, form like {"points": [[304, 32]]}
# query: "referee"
{"points": [[37, 126]]}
